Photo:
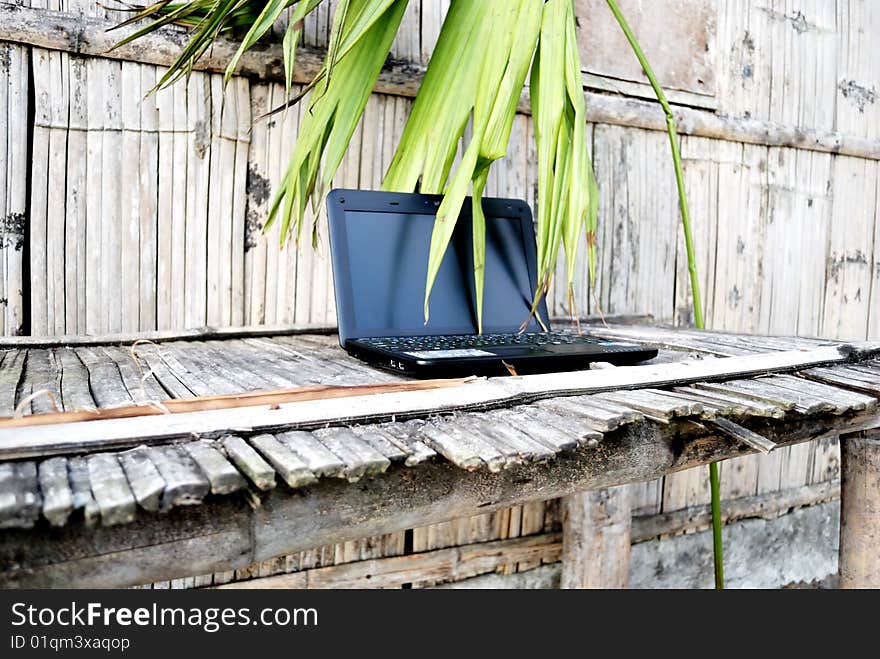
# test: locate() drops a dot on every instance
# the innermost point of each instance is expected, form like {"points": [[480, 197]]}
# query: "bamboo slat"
{"points": [[14, 93]]}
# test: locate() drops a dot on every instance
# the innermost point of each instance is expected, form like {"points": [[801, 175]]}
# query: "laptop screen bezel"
{"points": [[342, 201]]}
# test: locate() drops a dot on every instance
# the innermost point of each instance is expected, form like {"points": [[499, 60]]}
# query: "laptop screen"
{"points": [[387, 260]]}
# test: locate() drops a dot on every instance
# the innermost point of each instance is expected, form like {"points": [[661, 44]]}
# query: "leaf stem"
{"points": [[717, 547]]}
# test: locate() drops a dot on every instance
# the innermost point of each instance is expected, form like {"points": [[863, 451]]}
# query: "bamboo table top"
{"points": [[388, 457]]}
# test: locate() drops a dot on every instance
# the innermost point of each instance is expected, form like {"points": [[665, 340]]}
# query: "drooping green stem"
{"points": [[691, 259], [717, 549], [685, 213]]}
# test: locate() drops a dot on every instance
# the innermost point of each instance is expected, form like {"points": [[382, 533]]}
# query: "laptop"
{"points": [[379, 245]]}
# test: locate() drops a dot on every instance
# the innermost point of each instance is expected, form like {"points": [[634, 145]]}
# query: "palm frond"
{"points": [[483, 53], [209, 19], [364, 36]]}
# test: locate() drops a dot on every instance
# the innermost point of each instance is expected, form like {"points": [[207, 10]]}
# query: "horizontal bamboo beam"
{"points": [[226, 533], [465, 561], [768, 505], [86, 35], [440, 565]]}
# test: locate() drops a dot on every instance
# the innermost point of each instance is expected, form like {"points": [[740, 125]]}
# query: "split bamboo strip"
{"points": [[226, 401]]}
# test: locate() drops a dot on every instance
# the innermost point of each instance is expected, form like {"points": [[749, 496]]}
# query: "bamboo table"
{"points": [[221, 448]]}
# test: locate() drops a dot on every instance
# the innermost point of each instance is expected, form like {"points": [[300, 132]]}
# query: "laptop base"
{"points": [[502, 360]]}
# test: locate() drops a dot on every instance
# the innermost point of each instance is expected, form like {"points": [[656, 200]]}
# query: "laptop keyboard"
{"points": [[474, 341]]}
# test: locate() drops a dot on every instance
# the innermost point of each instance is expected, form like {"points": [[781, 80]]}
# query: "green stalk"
{"points": [[717, 547], [692, 263]]}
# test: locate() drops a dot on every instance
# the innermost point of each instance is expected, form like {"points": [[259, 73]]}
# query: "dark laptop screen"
{"points": [[387, 266]]}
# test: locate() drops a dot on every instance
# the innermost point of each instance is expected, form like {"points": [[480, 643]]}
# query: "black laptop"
{"points": [[379, 246]]}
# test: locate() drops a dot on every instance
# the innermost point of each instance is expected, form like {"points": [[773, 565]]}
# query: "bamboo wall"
{"points": [[127, 214]]}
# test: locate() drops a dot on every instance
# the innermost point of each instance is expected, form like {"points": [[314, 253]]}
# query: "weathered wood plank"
{"points": [[170, 179], [217, 379], [10, 376], [844, 378], [41, 374], [315, 365], [78, 471], [214, 358], [707, 410], [276, 371], [105, 381], [74, 381], [482, 429], [596, 528], [870, 369], [360, 458], [573, 426], [144, 479], [184, 482], [730, 403], [140, 383], [654, 403], [556, 432], [761, 389], [455, 447], [55, 491], [288, 464], [784, 402], [602, 415], [518, 434], [19, 495], [406, 435], [189, 380], [319, 459], [170, 383], [249, 462], [246, 371], [224, 477], [842, 399], [745, 435], [380, 442], [115, 500]]}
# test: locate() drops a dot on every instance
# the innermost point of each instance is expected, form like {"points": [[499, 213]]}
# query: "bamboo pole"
{"points": [[596, 539], [860, 510]]}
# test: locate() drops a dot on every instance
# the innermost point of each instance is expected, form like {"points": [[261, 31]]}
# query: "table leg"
{"points": [[596, 539], [860, 510]]}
